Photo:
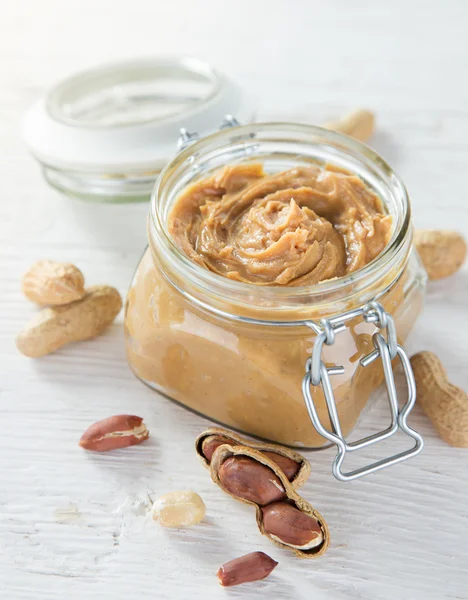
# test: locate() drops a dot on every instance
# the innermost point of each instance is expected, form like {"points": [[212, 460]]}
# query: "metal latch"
{"points": [[186, 138], [317, 373]]}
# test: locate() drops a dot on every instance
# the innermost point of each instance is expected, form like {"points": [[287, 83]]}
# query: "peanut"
{"points": [[293, 464], [445, 404], [179, 509], [289, 466], [288, 525], [212, 442], [358, 124], [251, 567], [119, 431], [442, 252], [248, 479], [55, 327], [290, 521], [49, 282]]}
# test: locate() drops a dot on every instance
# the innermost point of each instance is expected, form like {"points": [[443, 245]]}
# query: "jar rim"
{"points": [[162, 241]]}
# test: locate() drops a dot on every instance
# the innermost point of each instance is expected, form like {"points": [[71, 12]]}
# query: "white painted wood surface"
{"points": [[74, 525]]}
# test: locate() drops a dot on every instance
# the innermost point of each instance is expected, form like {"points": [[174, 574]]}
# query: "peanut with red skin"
{"points": [[292, 522], [246, 478], [287, 524], [289, 466], [251, 567], [114, 432], [212, 442]]}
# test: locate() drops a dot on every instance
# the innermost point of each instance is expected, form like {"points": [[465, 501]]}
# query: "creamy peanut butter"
{"points": [[297, 227], [293, 228]]}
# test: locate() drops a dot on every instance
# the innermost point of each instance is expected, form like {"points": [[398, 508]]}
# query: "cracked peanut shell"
{"points": [[285, 457], [293, 499]]}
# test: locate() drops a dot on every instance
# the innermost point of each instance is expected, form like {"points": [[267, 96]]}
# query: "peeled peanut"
{"points": [[442, 252], [290, 526], [179, 509], [251, 567], [246, 478]]}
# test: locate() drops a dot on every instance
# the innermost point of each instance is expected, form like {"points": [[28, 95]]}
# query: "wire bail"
{"points": [[186, 138], [317, 373]]}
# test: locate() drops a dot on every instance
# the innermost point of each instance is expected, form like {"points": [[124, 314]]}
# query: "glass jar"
{"points": [[235, 352]]}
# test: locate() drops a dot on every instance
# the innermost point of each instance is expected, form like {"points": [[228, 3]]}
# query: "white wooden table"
{"points": [[74, 525]]}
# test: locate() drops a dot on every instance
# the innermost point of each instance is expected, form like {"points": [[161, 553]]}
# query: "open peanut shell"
{"points": [[233, 440], [222, 453]]}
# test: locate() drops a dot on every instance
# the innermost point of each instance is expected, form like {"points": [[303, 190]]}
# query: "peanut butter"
{"points": [[298, 227], [294, 228]]}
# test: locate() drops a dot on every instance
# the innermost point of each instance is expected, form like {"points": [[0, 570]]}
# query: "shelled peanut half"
{"points": [[70, 313], [118, 431], [247, 568]]}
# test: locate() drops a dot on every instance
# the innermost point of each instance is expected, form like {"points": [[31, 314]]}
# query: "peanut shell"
{"points": [[57, 326], [442, 252], [296, 481], [48, 282], [224, 452], [359, 124], [445, 404]]}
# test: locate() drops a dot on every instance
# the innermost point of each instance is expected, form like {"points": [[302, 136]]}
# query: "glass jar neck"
{"points": [[279, 146]]}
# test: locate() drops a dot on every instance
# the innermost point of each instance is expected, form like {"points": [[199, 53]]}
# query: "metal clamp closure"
{"points": [[186, 138], [317, 373]]}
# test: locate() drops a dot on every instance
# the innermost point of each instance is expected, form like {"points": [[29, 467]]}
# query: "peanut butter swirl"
{"points": [[298, 227]]}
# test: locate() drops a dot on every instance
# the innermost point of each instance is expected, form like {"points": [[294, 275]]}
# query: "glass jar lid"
{"points": [[111, 129]]}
